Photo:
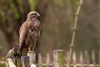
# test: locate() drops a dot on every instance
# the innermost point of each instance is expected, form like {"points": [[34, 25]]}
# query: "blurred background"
{"points": [[57, 19]]}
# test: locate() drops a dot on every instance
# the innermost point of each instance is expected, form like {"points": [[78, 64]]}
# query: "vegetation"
{"points": [[1, 65]]}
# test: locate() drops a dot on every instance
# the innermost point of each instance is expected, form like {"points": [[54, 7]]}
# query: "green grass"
{"points": [[91, 65], [78, 65], [2, 65]]}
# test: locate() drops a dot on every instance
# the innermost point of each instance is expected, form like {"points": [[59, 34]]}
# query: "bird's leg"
{"points": [[29, 49]]}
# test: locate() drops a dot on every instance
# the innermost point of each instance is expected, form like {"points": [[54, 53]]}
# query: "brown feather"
{"points": [[29, 32]]}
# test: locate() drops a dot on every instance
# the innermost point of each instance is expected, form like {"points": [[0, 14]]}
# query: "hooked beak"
{"points": [[38, 14]]}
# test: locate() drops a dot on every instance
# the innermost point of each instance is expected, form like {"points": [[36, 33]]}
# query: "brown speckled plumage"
{"points": [[29, 32]]}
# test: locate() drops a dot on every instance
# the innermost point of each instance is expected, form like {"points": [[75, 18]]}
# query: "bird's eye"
{"points": [[32, 14], [35, 13]]}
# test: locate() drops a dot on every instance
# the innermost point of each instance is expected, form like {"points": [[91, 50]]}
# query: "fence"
{"points": [[59, 60]]}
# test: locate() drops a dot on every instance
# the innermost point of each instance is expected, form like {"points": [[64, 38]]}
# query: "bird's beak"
{"points": [[38, 14]]}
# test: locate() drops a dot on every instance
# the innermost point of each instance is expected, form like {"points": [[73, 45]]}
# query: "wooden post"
{"points": [[67, 60], [31, 57], [10, 63], [25, 61], [68, 65], [74, 59], [6, 64], [87, 58], [40, 61], [81, 59], [99, 57], [58, 58], [93, 58], [48, 60]]}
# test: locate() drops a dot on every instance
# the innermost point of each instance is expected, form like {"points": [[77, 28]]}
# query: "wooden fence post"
{"points": [[67, 60], [74, 59], [6, 64], [10, 63], [58, 58], [48, 60], [31, 57], [93, 58], [81, 59], [25, 61], [99, 57], [87, 58], [40, 61]]}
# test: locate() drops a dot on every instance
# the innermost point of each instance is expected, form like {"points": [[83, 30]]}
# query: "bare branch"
{"points": [[74, 32]]}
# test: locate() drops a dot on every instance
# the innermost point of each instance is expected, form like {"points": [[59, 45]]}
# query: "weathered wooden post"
{"points": [[6, 64], [99, 57], [10, 63], [59, 58], [48, 60], [25, 61], [87, 58], [74, 59], [40, 61], [93, 58], [31, 57], [81, 59]]}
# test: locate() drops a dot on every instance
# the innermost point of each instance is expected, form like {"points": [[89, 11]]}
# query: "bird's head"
{"points": [[33, 15]]}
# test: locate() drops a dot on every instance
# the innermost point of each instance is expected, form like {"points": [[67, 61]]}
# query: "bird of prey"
{"points": [[29, 32]]}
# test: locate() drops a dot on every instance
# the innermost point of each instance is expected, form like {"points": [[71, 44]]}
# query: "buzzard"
{"points": [[29, 32]]}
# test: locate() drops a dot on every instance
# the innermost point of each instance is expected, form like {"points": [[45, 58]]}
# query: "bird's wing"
{"points": [[22, 33], [22, 26]]}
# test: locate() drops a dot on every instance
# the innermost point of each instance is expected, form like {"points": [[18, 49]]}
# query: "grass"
{"points": [[78, 65], [44, 65], [2, 65]]}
